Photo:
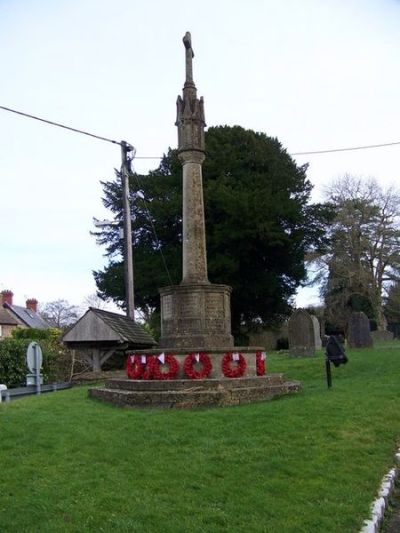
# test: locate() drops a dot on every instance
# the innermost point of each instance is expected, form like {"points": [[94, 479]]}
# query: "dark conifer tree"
{"points": [[259, 226]]}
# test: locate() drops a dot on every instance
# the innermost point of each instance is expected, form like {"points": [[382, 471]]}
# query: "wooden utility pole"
{"points": [[127, 154]]}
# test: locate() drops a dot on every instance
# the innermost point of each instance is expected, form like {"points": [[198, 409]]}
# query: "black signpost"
{"points": [[334, 354]]}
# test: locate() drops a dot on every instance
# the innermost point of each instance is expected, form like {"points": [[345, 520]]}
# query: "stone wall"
{"points": [[268, 337], [382, 336]]}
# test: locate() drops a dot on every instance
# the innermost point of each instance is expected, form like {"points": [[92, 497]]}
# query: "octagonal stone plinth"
{"points": [[189, 393], [216, 390]]}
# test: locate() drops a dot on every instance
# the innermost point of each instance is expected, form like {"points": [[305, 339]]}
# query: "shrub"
{"points": [[36, 334], [13, 367]]}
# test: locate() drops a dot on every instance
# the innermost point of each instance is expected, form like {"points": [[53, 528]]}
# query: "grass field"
{"points": [[305, 463]]}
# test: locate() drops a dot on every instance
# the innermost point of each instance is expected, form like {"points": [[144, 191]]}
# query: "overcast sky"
{"points": [[316, 74]]}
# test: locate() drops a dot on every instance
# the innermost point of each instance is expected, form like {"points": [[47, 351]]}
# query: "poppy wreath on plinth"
{"points": [[260, 363], [134, 366], [240, 365], [155, 367], [148, 368], [194, 358]]}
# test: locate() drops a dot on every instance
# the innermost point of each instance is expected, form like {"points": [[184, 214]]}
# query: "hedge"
{"points": [[13, 367]]}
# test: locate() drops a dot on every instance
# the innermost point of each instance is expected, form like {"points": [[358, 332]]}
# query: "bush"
{"points": [[36, 334], [13, 367]]}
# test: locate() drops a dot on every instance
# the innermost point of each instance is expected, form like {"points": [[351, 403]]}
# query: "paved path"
{"points": [[392, 521]]}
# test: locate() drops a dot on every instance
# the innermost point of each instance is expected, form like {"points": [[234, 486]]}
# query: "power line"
{"points": [[149, 157], [328, 151], [59, 125], [154, 230], [310, 152], [346, 149], [122, 144]]}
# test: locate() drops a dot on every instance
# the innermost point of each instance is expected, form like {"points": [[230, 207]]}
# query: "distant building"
{"points": [[15, 316]]}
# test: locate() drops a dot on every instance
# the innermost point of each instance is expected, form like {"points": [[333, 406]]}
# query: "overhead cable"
{"points": [[310, 152], [59, 125], [346, 149], [150, 218]]}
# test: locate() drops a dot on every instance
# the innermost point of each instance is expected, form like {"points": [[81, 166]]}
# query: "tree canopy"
{"points": [[59, 314], [392, 303], [259, 226], [363, 258]]}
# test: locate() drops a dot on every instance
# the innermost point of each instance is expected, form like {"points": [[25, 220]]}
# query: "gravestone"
{"points": [[317, 332], [301, 332], [358, 331]]}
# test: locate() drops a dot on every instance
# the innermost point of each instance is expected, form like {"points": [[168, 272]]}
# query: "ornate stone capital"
{"points": [[191, 156], [190, 117]]}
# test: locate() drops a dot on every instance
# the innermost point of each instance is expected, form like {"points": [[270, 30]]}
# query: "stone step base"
{"points": [[199, 384], [194, 393]]}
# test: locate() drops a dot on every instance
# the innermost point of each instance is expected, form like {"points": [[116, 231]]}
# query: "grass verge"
{"points": [[305, 463]]}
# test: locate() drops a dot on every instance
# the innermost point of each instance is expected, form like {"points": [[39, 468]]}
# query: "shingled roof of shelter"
{"points": [[28, 316], [125, 326]]}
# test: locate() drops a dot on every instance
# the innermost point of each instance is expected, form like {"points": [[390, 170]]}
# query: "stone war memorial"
{"points": [[196, 363], [304, 334], [358, 331]]}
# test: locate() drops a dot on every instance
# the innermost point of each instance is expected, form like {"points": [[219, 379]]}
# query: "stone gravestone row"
{"points": [[304, 334], [358, 331]]}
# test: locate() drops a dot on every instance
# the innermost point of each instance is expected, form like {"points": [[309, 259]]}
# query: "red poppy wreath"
{"points": [[134, 366], [260, 363], [191, 360], [238, 370], [173, 367]]}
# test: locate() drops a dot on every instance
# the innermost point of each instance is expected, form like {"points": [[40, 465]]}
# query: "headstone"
{"points": [[382, 335], [301, 334], [358, 332], [317, 332]]}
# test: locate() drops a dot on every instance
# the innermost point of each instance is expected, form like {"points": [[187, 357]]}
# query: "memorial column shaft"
{"points": [[195, 314], [194, 238]]}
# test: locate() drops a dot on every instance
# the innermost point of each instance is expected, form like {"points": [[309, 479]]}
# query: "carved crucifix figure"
{"points": [[187, 41]]}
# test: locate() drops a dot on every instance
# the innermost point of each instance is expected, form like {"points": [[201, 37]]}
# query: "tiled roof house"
{"points": [[14, 316]]}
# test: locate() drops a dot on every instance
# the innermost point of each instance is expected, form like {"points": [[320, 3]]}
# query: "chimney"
{"points": [[7, 297], [32, 304]]}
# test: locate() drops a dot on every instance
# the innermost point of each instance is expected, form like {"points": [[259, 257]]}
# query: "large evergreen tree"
{"points": [[259, 226]]}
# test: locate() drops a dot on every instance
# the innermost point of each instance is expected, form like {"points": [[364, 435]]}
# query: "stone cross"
{"points": [[195, 314], [190, 122], [187, 41]]}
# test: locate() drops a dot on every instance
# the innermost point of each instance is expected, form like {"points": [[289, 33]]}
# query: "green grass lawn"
{"points": [[311, 462]]}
